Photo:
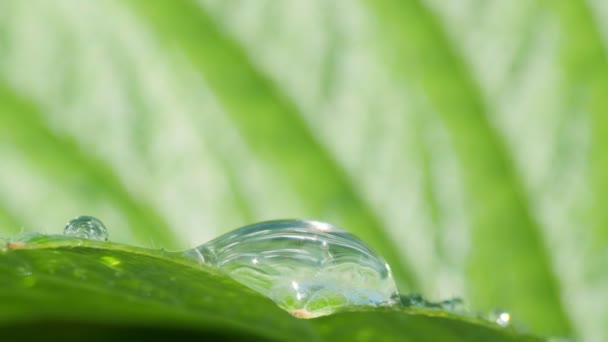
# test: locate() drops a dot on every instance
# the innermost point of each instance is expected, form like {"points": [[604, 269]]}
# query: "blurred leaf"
{"points": [[505, 236], [105, 291], [463, 140], [61, 158]]}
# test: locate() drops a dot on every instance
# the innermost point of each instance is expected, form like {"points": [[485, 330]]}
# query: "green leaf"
{"points": [[501, 218], [464, 140], [155, 293]]}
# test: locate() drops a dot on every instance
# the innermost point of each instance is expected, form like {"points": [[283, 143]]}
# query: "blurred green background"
{"points": [[466, 140]]}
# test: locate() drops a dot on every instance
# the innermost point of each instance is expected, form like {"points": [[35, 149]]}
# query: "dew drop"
{"points": [[86, 227], [413, 300], [454, 305], [500, 317], [308, 268]]}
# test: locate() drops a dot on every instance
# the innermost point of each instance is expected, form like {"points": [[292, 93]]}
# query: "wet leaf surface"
{"points": [[102, 291]]}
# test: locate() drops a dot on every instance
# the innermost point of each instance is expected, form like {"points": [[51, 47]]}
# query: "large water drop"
{"points": [[86, 227], [309, 268]]}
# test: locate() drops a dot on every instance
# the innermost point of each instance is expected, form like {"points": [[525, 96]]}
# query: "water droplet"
{"points": [[455, 304], [309, 268], [86, 227], [413, 299], [500, 317]]}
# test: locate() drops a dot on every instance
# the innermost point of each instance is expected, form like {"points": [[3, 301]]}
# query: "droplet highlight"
{"points": [[500, 317], [86, 227], [308, 268]]}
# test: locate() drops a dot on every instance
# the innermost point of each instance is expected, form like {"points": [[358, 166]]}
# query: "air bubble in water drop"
{"points": [[86, 227], [309, 268]]}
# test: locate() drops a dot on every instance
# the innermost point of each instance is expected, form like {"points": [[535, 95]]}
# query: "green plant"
{"points": [[462, 140]]}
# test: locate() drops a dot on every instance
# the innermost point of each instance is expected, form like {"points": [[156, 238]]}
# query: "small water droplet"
{"points": [[455, 304], [86, 227], [413, 299], [500, 317], [309, 268]]}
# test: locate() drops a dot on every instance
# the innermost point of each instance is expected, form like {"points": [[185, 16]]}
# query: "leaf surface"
{"points": [[72, 289]]}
